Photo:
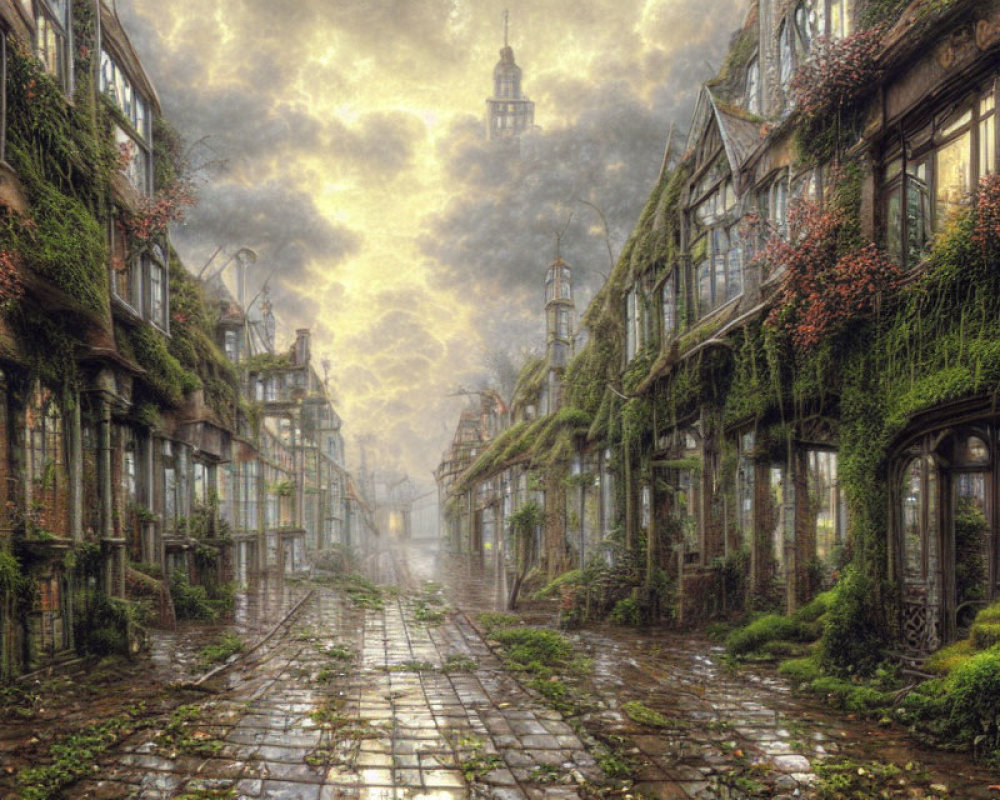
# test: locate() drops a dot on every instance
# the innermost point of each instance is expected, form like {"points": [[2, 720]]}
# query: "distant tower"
{"points": [[508, 112], [559, 310]]}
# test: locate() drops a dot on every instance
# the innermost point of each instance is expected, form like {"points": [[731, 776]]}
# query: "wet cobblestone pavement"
{"points": [[404, 698]]}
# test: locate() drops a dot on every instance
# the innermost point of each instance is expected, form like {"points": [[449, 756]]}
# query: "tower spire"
{"points": [[506, 21]]}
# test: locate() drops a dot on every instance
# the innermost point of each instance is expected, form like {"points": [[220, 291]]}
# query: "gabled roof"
{"points": [[740, 136]]}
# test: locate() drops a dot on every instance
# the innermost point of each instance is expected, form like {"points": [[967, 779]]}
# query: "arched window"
{"points": [[919, 517]]}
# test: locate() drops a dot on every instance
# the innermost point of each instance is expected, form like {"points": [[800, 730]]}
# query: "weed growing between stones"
{"points": [[208, 794], [338, 652], [458, 663], [473, 759], [546, 773], [412, 665], [493, 620], [422, 612], [847, 779], [363, 593], [535, 650], [644, 715], [229, 644], [75, 756], [179, 738]]}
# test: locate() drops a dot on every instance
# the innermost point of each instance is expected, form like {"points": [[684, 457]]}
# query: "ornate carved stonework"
{"points": [[957, 47], [987, 33]]}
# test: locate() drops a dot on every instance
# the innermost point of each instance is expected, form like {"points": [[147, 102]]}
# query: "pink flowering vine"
{"points": [[821, 289], [151, 219], [836, 72], [986, 233]]}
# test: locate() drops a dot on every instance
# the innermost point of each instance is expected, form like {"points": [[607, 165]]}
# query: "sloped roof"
{"points": [[740, 136]]}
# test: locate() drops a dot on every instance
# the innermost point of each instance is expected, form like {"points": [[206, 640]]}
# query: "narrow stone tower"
{"points": [[559, 313], [508, 111]]}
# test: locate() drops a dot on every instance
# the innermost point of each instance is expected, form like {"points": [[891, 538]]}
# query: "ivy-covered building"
{"points": [[134, 453], [790, 376]]}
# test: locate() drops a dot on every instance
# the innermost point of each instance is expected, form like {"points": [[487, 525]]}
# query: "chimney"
{"points": [[302, 347]]}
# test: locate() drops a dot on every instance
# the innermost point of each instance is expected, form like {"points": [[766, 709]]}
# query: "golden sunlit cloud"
{"points": [[351, 135]]}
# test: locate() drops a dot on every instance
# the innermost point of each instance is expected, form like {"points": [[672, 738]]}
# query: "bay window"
{"points": [[932, 173]]}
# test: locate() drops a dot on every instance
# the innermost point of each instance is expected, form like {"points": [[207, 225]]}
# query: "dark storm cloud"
{"points": [[498, 238], [501, 235], [274, 218]]}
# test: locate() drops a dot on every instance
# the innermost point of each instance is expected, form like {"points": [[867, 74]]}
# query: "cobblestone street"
{"points": [[404, 698]]}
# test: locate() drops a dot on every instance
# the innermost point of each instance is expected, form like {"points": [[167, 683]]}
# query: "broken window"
{"points": [[931, 174]]}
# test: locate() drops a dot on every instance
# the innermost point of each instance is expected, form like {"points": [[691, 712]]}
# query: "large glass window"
{"points": [[669, 301], [634, 322], [786, 56], [919, 517], [752, 93], [52, 24], [745, 487], [825, 505], [132, 130], [934, 174], [46, 460], [156, 300], [716, 250]]}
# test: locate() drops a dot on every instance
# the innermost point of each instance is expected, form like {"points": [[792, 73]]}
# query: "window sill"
{"points": [[126, 311]]}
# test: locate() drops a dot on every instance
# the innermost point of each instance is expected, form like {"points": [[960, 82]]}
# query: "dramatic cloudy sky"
{"points": [[346, 140]]}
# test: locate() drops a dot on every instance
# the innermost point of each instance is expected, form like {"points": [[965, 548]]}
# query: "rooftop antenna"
{"points": [[506, 17]]}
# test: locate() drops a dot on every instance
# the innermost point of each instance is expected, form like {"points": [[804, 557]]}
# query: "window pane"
{"points": [[913, 540], [894, 224], [953, 177], [784, 56], [734, 273], [987, 145], [955, 122], [704, 278], [918, 211], [753, 87], [824, 500], [669, 319], [777, 516]]}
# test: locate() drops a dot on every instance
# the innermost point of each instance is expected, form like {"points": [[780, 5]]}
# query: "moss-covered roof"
{"points": [[530, 382], [542, 441]]}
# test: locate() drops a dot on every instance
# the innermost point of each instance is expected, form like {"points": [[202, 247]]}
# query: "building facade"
{"points": [[789, 374], [138, 460]]}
